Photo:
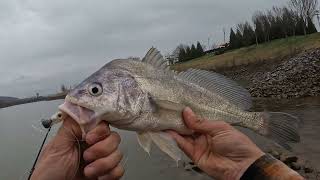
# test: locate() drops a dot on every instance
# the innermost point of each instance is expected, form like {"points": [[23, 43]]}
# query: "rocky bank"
{"points": [[293, 77]]}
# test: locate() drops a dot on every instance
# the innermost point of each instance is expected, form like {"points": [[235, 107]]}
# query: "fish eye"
{"points": [[95, 89]]}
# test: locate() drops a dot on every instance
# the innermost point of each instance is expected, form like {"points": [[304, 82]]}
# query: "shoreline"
{"points": [[28, 100]]}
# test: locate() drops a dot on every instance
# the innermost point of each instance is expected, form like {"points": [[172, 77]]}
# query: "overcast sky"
{"points": [[40, 39]]}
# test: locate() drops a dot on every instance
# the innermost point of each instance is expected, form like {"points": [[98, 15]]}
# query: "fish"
{"points": [[147, 97]]}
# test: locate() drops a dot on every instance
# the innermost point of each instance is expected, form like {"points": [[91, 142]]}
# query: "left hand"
{"points": [[61, 157]]}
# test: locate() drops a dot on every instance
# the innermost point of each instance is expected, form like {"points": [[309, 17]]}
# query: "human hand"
{"points": [[217, 148], [61, 157]]}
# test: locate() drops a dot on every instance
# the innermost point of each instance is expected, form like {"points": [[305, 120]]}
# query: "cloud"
{"points": [[40, 39]]}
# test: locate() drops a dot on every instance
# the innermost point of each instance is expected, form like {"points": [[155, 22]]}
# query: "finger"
{"points": [[102, 148], [185, 145], [115, 173], [203, 125], [102, 166], [98, 133]]}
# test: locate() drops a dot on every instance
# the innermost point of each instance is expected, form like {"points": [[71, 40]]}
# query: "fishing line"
{"points": [[45, 124]]}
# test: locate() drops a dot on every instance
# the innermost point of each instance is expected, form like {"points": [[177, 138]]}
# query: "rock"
{"points": [[197, 169], [275, 154], [308, 170], [295, 166], [291, 159]]}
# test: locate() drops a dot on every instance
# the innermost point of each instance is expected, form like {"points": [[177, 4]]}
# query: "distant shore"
{"points": [[16, 101]]}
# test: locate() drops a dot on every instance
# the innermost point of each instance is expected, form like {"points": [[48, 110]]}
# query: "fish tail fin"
{"points": [[280, 127]]}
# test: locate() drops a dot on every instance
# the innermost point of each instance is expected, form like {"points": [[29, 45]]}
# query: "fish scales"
{"points": [[146, 97]]}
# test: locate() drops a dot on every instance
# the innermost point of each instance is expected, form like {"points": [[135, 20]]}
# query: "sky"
{"points": [[42, 40]]}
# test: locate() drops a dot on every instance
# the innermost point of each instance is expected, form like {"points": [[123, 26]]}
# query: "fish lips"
{"points": [[86, 118]]}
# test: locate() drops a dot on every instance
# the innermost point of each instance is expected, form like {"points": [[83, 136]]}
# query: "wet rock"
{"points": [[275, 154], [289, 160], [308, 169], [295, 166], [197, 169]]}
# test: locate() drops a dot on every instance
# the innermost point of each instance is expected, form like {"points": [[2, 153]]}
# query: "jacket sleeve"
{"points": [[269, 168]]}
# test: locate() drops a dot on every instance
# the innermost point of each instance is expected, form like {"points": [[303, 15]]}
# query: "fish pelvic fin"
{"points": [[145, 141], [163, 140], [280, 127]]}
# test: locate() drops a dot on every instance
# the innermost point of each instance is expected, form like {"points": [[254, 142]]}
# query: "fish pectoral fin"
{"points": [[145, 141], [167, 144], [238, 123], [165, 104]]}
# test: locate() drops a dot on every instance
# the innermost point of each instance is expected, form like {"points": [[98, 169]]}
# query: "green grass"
{"points": [[274, 50]]}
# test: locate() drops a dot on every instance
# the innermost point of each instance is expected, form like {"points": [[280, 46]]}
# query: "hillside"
{"points": [[5, 99], [274, 50]]}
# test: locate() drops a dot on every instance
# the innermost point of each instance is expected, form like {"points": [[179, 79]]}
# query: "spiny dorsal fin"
{"points": [[155, 58], [220, 85]]}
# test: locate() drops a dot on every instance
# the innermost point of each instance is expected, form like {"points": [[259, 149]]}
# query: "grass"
{"points": [[277, 49]]}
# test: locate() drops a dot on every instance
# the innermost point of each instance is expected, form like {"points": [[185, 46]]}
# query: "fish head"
{"points": [[111, 94]]}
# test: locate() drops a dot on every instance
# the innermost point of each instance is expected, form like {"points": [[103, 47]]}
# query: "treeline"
{"points": [[279, 22], [190, 52]]}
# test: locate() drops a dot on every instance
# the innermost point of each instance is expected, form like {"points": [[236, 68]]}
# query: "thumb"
{"points": [[203, 126], [69, 130]]}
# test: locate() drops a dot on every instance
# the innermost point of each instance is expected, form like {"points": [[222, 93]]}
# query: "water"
{"points": [[21, 135]]}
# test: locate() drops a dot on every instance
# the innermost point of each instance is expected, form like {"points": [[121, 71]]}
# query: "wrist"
{"points": [[246, 163], [268, 167]]}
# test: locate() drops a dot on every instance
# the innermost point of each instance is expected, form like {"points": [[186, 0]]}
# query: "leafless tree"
{"points": [[304, 8]]}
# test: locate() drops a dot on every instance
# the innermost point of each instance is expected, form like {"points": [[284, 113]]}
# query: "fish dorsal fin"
{"points": [[220, 85], [154, 58]]}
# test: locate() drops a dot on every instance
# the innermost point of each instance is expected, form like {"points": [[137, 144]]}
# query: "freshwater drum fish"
{"points": [[147, 97]]}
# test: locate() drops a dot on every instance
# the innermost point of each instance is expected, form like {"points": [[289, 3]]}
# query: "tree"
{"points": [[305, 9], [182, 54], [239, 38], [290, 20], [248, 37], [300, 26], [188, 54], [63, 88], [193, 52], [311, 28], [200, 51], [258, 27], [233, 40]]}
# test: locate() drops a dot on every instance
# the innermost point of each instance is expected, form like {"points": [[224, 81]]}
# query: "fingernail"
{"points": [[89, 171], [188, 110], [87, 156]]}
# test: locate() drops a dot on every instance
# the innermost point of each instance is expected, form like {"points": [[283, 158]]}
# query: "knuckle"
{"points": [[104, 129]]}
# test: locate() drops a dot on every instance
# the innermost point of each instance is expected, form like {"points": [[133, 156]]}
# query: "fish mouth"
{"points": [[86, 118]]}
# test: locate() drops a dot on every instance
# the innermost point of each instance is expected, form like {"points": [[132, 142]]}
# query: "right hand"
{"points": [[217, 148], [60, 158]]}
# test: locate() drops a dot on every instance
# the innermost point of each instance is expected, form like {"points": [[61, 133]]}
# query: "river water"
{"points": [[21, 135]]}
